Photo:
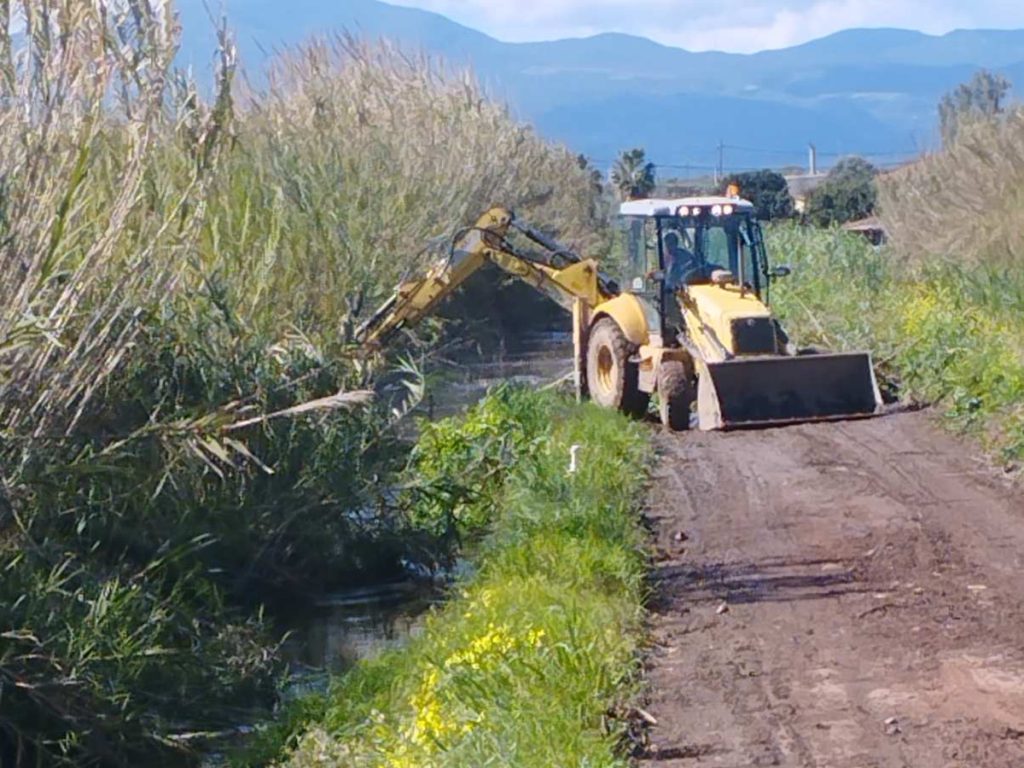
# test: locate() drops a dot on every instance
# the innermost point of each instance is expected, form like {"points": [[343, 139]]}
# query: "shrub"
{"points": [[847, 194], [458, 465], [767, 190]]}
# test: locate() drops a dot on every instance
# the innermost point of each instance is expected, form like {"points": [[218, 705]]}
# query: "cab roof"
{"points": [[669, 207]]}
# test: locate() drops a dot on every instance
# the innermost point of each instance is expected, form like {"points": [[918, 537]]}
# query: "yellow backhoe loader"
{"points": [[690, 322]]}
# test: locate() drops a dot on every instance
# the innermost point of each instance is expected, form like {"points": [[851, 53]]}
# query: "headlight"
{"points": [[716, 210]]}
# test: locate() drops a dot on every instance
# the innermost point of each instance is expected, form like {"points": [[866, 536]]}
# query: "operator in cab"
{"points": [[682, 265], [680, 262]]}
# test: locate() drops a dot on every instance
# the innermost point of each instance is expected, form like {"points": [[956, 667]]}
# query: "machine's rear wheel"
{"points": [[613, 380], [676, 394]]}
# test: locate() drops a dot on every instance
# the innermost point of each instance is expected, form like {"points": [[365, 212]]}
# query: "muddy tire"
{"points": [[613, 380], [676, 394]]}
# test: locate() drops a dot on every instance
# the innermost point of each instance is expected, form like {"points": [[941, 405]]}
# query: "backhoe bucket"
{"points": [[766, 391]]}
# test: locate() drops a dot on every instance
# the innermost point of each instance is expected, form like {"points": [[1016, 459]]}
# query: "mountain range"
{"points": [[861, 91]]}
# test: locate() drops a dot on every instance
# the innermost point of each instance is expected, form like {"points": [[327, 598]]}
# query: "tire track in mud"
{"points": [[835, 595]]}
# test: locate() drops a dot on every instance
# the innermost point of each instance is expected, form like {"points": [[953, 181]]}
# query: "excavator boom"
{"points": [[557, 272]]}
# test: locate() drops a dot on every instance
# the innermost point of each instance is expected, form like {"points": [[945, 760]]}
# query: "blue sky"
{"points": [[729, 25]]}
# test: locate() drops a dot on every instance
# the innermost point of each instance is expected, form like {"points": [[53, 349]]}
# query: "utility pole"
{"points": [[813, 160], [720, 168]]}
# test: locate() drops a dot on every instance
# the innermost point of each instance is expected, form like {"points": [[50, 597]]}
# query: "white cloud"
{"points": [[738, 25]]}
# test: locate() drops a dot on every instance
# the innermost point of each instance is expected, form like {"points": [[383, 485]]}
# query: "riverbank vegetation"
{"points": [[940, 306], [532, 660], [187, 434]]}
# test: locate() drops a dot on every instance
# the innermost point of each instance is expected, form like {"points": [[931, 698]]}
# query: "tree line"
{"points": [[845, 194], [848, 192]]}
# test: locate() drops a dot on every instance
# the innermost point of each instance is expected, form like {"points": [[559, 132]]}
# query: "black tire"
{"points": [[612, 379], [676, 394]]}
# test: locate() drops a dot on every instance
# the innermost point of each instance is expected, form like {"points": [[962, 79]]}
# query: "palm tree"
{"points": [[633, 176]]}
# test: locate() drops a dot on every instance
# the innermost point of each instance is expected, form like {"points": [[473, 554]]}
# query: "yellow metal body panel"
{"points": [[577, 281], [581, 311], [709, 313], [627, 310]]}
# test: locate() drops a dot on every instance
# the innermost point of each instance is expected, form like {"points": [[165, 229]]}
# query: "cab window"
{"points": [[726, 244], [637, 251]]}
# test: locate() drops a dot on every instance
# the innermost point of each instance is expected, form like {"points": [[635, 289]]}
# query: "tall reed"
{"points": [[353, 160], [962, 206], [185, 430]]}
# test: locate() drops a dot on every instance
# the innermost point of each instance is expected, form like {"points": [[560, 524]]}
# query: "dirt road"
{"points": [[836, 595]]}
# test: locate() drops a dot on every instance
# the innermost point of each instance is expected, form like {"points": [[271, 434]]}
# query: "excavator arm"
{"points": [[573, 282]]}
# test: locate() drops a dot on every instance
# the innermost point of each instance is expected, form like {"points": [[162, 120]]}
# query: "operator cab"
{"points": [[668, 245]]}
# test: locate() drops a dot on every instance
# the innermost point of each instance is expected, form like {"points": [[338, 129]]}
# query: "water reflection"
{"points": [[538, 360], [346, 627]]}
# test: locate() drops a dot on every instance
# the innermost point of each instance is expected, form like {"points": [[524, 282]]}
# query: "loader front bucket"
{"points": [[765, 391]]}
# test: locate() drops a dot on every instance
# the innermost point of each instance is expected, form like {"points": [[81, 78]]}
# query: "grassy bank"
{"points": [[942, 332], [187, 433], [528, 662]]}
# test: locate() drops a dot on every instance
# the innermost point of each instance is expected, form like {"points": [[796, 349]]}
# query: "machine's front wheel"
{"points": [[676, 394], [613, 380]]}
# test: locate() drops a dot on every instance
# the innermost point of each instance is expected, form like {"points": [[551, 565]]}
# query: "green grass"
{"points": [[529, 660], [943, 334]]}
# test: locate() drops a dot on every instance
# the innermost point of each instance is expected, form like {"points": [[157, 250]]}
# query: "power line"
{"points": [[721, 167], [734, 148], [909, 153], [802, 150], [719, 149]]}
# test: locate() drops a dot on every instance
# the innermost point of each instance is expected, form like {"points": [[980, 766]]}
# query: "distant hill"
{"points": [[871, 91]]}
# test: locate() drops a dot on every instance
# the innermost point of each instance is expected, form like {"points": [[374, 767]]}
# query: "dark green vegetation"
{"points": [[187, 433], [633, 175], [847, 194], [767, 190], [526, 661]]}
